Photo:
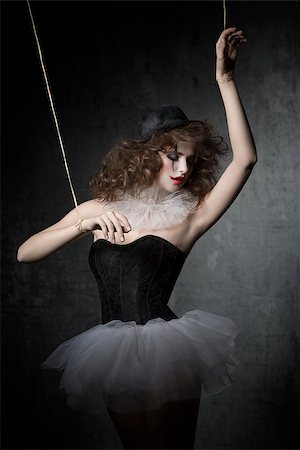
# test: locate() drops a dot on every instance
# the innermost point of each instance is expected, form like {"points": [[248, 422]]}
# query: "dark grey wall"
{"points": [[246, 267]]}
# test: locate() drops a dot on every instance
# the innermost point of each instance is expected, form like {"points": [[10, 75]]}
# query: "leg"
{"points": [[131, 428], [173, 426]]}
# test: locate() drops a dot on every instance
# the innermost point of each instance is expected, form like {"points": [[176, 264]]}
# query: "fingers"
{"points": [[237, 37], [228, 31], [103, 226], [113, 222], [124, 221], [231, 35], [110, 227], [116, 226], [224, 35]]}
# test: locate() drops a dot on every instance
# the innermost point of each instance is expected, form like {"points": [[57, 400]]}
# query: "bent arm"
{"points": [[241, 139], [218, 200], [49, 240]]}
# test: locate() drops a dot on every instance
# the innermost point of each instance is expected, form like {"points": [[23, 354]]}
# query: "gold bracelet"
{"points": [[226, 78], [79, 225]]}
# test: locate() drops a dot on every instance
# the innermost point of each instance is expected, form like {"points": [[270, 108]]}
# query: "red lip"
{"points": [[178, 180]]}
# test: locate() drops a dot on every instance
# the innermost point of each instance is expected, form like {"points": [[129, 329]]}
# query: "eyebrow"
{"points": [[179, 153]]}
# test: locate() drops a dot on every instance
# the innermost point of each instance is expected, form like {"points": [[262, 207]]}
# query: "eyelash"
{"points": [[171, 156]]}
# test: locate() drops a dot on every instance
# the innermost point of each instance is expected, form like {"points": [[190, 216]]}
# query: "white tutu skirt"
{"points": [[132, 367]]}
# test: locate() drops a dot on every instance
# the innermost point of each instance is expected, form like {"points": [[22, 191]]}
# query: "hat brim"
{"points": [[165, 127]]}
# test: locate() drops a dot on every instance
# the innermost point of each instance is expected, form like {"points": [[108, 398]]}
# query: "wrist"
{"points": [[224, 78], [79, 226]]}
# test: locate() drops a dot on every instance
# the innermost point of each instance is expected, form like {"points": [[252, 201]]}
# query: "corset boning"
{"points": [[136, 280]]}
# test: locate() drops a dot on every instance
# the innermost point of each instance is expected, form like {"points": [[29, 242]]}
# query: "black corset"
{"points": [[136, 280]]}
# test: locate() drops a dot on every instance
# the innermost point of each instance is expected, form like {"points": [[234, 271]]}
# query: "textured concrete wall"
{"points": [[246, 267]]}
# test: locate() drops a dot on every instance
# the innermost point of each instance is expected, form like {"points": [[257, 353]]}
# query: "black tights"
{"points": [[173, 426]]}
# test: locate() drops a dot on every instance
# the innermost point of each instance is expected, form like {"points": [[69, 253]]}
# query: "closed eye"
{"points": [[173, 156]]}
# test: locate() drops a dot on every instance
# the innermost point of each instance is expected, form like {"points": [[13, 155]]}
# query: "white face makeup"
{"points": [[177, 166]]}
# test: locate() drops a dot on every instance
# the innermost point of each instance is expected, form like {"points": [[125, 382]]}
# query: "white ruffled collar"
{"points": [[152, 209]]}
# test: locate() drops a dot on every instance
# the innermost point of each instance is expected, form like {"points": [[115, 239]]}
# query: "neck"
{"points": [[158, 191], [155, 193]]}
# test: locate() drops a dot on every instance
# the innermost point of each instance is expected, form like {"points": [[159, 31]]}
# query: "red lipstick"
{"points": [[177, 180]]}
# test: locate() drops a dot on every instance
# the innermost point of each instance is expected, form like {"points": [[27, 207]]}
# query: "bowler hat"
{"points": [[160, 118]]}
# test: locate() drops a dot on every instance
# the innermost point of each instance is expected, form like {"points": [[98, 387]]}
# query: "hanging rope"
{"points": [[224, 14], [60, 140], [50, 97]]}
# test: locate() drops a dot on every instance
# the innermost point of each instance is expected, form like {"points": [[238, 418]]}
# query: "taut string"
{"points": [[224, 14], [60, 140], [50, 97]]}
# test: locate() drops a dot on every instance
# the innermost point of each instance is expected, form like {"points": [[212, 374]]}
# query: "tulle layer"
{"points": [[152, 210], [131, 367]]}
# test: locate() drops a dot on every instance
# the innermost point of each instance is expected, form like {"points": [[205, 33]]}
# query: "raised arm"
{"points": [[218, 200], [56, 236]]}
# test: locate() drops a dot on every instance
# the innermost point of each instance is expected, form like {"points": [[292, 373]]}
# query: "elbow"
{"points": [[20, 256], [253, 159], [26, 252], [247, 164], [251, 163]]}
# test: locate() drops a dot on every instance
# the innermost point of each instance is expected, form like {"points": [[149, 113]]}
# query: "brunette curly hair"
{"points": [[133, 165]]}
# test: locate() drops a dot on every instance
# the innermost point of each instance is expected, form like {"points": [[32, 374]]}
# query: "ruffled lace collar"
{"points": [[152, 209]]}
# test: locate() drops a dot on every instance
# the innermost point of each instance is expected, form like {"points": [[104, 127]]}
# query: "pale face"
{"points": [[177, 166]]}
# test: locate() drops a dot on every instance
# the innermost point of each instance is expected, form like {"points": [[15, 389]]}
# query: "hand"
{"points": [[226, 51], [109, 223]]}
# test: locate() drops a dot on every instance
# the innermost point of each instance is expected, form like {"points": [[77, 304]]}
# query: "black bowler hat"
{"points": [[161, 118]]}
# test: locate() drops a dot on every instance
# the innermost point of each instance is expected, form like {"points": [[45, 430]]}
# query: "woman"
{"points": [[154, 197]]}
